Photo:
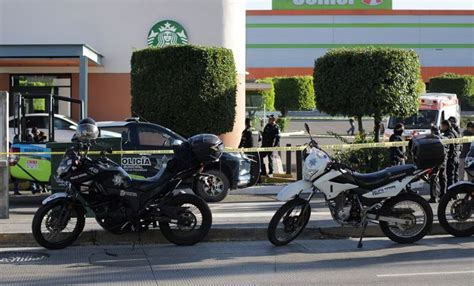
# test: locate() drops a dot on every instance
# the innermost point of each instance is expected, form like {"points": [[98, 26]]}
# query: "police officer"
{"points": [[247, 140], [270, 138], [457, 130], [397, 157], [452, 155], [438, 176]]}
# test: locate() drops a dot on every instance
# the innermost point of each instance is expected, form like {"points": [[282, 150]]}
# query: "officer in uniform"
{"points": [[452, 155], [397, 157], [270, 138], [457, 130]]}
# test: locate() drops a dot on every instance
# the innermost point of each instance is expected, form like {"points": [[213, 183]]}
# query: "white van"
{"points": [[434, 108]]}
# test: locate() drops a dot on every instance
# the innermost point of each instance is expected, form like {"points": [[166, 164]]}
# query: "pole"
{"points": [[4, 173], [288, 160], [83, 84]]}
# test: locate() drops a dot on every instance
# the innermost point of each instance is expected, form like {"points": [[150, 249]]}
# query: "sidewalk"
{"points": [[244, 215]]}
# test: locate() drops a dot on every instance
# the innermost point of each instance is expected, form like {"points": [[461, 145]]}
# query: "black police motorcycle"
{"points": [[121, 204], [456, 207]]}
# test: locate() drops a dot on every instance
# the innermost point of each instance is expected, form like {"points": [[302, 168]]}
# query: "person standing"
{"points": [[469, 131], [351, 130], [451, 154], [270, 138], [438, 175], [397, 157], [457, 131], [247, 140]]}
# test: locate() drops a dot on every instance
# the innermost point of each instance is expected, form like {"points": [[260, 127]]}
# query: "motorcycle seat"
{"points": [[151, 183], [377, 179]]}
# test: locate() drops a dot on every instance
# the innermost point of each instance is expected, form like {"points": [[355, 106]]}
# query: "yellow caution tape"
{"points": [[264, 149]]}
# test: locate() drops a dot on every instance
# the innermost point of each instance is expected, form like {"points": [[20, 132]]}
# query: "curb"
{"points": [[215, 235]]}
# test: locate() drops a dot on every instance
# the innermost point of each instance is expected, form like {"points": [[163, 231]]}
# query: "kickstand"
{"points": [[364, 227]]}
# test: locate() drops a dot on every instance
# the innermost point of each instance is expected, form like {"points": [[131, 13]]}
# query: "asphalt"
{"points": [[439, 260], [242, 216]]}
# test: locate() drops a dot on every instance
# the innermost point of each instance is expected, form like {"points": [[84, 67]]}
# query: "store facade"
{"points": [[108, 31], [285, 40]]}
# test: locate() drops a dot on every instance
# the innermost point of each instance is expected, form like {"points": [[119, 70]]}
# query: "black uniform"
{"points": [[270, 138], [458, 147], [396, 153], [247, 140], [452, 159]]}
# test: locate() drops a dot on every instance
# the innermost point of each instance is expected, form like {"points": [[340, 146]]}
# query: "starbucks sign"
{"points": [[165, 33]]}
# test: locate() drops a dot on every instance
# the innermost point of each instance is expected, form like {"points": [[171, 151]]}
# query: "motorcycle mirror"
{"points": [[306, 126]]}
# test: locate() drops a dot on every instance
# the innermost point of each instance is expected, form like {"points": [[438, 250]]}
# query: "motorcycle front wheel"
{"points": [[58, 224], [412, 208], [455, 213], [289, 221], [193, 223]]}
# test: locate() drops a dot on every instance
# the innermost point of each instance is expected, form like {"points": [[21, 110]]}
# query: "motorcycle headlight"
{"points": [[64, 166], [308, 172]]}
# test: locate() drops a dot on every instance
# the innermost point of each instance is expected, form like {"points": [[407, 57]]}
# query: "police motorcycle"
{"points": [[121, 204], [456, 207], [383, 197]]}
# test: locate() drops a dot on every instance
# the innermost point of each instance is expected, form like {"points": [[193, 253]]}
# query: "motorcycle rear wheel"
{"points": [[453, 206], [50, 224], [421, 218], [293, 223], [184, 231]]}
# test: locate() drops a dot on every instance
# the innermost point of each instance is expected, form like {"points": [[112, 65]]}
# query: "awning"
{"points": [[54, 55]]}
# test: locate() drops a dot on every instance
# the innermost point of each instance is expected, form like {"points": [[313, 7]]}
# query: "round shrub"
{"points": [[461, 85], [189, 89], [294, 93]]}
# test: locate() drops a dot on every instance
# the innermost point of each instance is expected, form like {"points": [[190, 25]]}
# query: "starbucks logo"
{"points": [[167, 33]]}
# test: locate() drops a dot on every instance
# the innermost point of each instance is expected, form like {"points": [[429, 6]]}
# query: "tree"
{"points": [[188, 88], [294, 93], [369, 81], [461, 85]]}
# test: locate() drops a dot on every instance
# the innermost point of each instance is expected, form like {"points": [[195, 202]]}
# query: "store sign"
{"points": [[331, 4], [165, 33]]}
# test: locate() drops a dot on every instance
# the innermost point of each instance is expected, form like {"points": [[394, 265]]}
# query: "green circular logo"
{"points": [[165, 33]]}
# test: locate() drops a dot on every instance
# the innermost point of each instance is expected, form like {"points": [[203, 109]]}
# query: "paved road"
{"points": [[433, 261]]}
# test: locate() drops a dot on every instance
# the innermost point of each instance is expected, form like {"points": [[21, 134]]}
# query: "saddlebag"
{"points": [[427, 150]]}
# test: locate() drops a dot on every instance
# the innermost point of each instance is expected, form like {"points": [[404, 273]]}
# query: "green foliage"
{"points": [[461, 85], [420, 86], [189, 89], [268, 96], [294, 93], [364, 160], [368, 81], [283, 122]]}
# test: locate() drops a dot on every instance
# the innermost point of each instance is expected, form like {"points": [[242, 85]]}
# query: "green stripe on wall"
{"points": [[360, 25], [330, 46]]}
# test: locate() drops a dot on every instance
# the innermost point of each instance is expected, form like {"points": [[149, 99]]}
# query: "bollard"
{"points": [[299, 165], [288, 160], [4, 174]]}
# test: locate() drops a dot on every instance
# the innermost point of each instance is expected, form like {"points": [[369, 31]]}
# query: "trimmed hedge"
{"points": [[268, 96], [294, 93], [461, 85], [189, 89], [368, 81]]}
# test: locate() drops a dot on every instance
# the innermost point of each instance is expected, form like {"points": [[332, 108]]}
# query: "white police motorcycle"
{"points": [[383, 197]]}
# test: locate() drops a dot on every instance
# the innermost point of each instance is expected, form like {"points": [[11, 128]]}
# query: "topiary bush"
{"points": [[268, 96], [294, 93], [461, 85], [189, 89], [368, 81]]}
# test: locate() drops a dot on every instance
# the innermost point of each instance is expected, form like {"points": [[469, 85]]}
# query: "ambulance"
{"points": [[434, 108]]}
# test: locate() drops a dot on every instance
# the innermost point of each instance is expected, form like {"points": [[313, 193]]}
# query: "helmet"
{"points": [[206, 147], [86, 130]]}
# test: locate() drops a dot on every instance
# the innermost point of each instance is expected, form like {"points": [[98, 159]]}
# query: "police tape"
{"points": [[336, 147]]}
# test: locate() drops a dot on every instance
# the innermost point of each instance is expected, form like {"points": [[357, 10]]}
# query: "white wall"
{"points": [[116, 27]]}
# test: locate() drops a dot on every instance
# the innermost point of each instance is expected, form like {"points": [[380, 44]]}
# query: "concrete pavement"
{"points": [[432, 261]]}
